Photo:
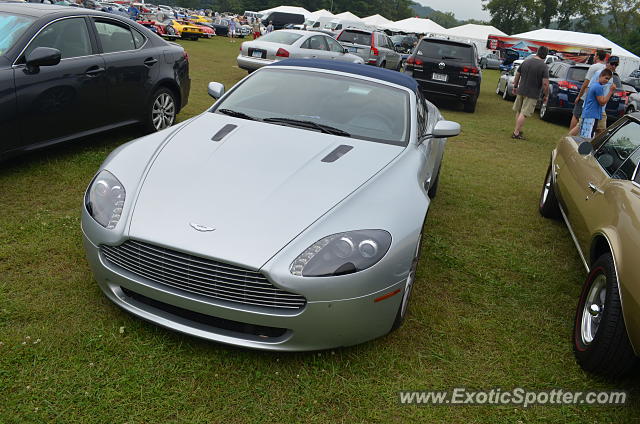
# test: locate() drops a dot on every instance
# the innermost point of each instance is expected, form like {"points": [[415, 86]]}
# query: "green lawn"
{"points": [[492, 308]]}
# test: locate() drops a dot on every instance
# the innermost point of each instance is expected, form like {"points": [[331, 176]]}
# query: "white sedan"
{"points": [[293, 44]]}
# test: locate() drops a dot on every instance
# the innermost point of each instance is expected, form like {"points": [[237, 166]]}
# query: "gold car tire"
{"points": [[600, 342], [548, 205]]}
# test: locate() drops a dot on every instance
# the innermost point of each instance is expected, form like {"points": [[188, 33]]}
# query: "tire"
{"points": [[470, 106], [406, 295], [600, 341], [548, 205], [433, 189], [170, 30], [545, 113], [630, 109], [161, 110]]}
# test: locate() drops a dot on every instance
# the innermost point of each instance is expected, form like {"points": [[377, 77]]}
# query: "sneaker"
{"points": [[518, 137]]}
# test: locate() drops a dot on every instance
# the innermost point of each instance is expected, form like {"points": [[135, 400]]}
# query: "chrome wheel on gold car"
{"points": [[600, 341], [548, 205]]}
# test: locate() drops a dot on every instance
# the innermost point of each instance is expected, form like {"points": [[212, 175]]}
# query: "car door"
{"points": [[389, 54], [315, 47], [336, 50], [56, 102], [132, 69], [431, 148], [8, 115], [596, 179]]}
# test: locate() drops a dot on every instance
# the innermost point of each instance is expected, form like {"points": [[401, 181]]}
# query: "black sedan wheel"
{"points": [[162, 110], [600, 341], [548, 205]]}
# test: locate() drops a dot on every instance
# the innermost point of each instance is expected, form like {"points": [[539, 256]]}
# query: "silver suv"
{"points": [[376, 48]]}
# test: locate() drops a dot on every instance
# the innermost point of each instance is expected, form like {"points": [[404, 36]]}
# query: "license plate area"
{"points": [[439, 77], [352, 49], [258, 53]]}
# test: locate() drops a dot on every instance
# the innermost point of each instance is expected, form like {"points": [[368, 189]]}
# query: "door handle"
{"points": [[594, 188], [94, 71], [150, 61]]}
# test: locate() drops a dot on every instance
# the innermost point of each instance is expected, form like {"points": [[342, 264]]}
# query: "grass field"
{"points": [[492, 308]]}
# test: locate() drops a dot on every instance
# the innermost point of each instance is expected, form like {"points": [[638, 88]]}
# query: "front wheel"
{"points": [[548, 205], [600, 341], [161, 111], [545, 113], [408, 287]]}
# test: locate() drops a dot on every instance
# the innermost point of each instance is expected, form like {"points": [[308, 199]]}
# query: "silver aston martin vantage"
{"points": [[286, 217]]}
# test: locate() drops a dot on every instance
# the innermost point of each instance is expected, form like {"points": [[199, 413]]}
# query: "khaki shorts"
{"points": [[601, 125], [525, 105]]}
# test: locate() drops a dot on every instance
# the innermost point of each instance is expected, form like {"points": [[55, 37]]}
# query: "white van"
{"points": [[337, 25], [318, 23]]}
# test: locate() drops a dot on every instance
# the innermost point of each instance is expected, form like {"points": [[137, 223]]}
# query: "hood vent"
{"points": [[224, 131], [337, 153]]}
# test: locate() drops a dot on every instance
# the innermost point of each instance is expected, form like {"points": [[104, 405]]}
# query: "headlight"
{"points": [[342, 253], [104, 199]]}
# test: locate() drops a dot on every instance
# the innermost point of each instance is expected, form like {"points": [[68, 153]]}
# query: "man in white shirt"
{"points": [[597, 66]]}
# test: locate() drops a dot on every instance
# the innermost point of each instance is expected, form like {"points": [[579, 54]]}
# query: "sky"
{"points": [[463, 9]]}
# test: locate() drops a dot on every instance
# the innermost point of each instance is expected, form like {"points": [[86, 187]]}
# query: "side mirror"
{"points": [[42, 56], [585, 148], [445, 129], [215, 90]]}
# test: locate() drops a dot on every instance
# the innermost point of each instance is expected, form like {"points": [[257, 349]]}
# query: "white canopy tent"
{"points": [[416, 26], [288, 9], [347, 16], [320, 13], [377, 21], [472, 33], [628, 61]]}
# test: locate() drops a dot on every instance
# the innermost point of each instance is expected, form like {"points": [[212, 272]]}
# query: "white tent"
{"points": [[628, 61], [377, 21], [288, 9], [320, 13], [416, 26], [348, 16], [472, 33]]}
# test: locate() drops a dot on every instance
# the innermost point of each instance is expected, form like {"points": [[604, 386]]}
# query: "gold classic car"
{"points": [[595, 187]]}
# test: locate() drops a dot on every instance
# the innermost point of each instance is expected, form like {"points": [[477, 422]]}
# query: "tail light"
{"points": [[414, 61], [470, 70], [566, 85], [374, 51], [622, 95], [282, 53]]}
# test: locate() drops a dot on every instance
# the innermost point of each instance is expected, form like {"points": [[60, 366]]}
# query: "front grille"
{"points": [[201, 276]]}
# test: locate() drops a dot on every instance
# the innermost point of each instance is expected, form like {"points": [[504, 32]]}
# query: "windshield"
{"points": [[355, 37], [443, 50], [11, 28], [280, 37], [331, 25], [363, 109]]}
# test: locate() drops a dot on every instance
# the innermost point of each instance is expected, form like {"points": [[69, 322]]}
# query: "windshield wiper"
{"points": [[237, 114], [309, 124]]}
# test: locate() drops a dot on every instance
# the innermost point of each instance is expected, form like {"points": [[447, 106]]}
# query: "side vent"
{"points": [[224, 131], [337, 153]]}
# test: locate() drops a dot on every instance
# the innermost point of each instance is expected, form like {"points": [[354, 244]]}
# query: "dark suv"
{"points": [[447, 69], [565, 81]]}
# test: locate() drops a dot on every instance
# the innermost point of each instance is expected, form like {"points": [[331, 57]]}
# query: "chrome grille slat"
{"points": [[200, 276], [236, 293]]}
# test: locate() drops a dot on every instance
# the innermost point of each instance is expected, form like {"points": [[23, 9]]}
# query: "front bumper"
{"points": [[318, 325], [252, 63]]}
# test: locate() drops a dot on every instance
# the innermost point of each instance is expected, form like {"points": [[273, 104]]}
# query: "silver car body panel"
{"points": [[269, 197]]}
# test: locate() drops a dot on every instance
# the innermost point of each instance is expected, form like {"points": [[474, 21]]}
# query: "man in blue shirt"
{"points": [[597, 98]]}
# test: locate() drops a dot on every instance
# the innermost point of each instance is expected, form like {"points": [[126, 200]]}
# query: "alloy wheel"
{"points": [[593, 309], [163, 112]]}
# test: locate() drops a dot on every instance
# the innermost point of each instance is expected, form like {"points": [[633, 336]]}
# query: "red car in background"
{"points": [[164, 30]]}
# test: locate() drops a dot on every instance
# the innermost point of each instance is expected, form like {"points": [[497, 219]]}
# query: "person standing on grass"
{"points": [[598, 66], [256, 28], [596, 97], [612, 65], [232, 29], [531, 76]]}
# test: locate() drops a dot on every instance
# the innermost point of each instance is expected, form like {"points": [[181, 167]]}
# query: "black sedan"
{"points": [[67, 73]]}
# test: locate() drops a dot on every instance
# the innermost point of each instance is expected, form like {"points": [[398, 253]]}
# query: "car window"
{"points": [[577, 74], [115, 38], [355, 37], [70, 36], [334, 46], [613, 153], [138, 38], [315, 43], [445, 50], [422, 115], [281, 37], [11, 28]]}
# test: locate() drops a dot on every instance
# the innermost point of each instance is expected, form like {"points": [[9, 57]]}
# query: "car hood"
{"points": [[255, 190]]}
